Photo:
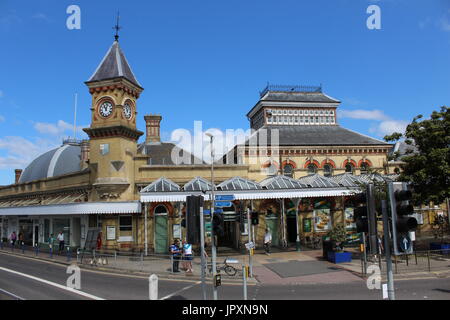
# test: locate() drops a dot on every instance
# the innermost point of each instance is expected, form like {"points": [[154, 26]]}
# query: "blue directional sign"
{"points": [[225, 197], [223, 204], [207, 212], [405, 244]]}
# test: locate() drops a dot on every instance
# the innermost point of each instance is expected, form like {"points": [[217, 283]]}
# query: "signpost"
{"points": [[225, 197], [224, 204], [405, 244]]}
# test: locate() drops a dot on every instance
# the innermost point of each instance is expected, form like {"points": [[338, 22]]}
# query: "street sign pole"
{"points": [[202, 251], [213, 236], [387, 251], [250, 238]]}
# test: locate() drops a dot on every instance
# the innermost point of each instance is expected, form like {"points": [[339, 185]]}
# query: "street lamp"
{"points": [[213, 236]]}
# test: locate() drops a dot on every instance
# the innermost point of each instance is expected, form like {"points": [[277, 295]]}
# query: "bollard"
{"points": [[68, 253], [22, 246], [153, 287], [429, 262], [395, 262], [51, 250], [36, 249], [1, 244], [171, 262], [244, 276], [78, 255]]}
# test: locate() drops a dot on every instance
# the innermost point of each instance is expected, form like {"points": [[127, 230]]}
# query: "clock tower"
{"points": [[113, 134]]}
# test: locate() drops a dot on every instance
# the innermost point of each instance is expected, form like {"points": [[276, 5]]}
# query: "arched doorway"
{"points": [[161, 235], [230, 235]]}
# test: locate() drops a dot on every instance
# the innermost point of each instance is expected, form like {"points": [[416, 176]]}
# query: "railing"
{"points": [[287, 88], [419, 261]]}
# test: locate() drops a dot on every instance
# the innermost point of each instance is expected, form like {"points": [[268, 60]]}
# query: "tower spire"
{"points": [[117, 27]]}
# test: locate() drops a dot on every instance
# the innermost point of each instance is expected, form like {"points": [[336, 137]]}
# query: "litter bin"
{"points": [[327, 246]]}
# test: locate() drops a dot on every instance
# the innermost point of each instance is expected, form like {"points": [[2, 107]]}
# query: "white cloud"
{"points": [[20, 151], [385, 126], [57, 129], [200, 144], [41, 16], [388, 127], [363, 114]]}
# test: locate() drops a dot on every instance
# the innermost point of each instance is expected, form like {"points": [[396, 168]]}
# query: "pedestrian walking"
{"points": [[176, 253], [187, 256], [60, 238], [267, 241], [13, 238], [99, 241]]}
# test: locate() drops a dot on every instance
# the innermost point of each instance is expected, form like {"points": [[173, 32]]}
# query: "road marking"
{"points": [[181, 290], [81, 293], [11, 294], [104, 271]]}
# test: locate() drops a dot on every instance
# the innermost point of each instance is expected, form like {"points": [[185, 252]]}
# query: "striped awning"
{"points": [[74, 209], [253, 194]]}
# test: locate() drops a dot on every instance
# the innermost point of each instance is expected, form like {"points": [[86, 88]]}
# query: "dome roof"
{"points": [[63, 160]]}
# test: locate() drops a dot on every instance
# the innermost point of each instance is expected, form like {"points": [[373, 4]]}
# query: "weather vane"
{"points": [[117, 27]]}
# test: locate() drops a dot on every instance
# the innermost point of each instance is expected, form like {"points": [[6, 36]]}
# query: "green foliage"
{"points": [[441, 227], [429, 168], [338, 233]]}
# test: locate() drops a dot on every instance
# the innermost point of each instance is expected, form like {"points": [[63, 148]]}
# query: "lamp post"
{"points": [[213, 236]]}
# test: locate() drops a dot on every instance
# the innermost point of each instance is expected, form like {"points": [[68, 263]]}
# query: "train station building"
{"points": [[135, 192]]}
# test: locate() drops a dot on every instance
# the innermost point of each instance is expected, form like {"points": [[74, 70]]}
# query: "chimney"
{"points": [[85, 148], [153, 128], [18, 174]]}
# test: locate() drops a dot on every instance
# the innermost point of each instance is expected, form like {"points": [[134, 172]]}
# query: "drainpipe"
{"points": [[145, 228]]}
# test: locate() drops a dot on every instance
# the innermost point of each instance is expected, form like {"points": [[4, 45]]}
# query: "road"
{"points": [[28, 279]]}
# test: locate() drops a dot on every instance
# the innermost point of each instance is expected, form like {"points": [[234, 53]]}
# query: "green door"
{"points": [[272, 224], [161, 244]]}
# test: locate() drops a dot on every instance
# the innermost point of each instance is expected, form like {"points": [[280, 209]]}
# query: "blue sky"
{"points": [[207, 60]]}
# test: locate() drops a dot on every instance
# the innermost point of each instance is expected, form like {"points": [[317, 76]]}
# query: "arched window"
{"points": [[160, 210], [312, 169], [288, 170], [364, 167], [328, 170], [349, 168]]}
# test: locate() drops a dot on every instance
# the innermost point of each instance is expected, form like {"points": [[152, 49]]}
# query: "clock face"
{"points": [[127, 111], [106, 109]]}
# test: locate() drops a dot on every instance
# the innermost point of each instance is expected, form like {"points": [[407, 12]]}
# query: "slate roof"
{"points": [[314, 135], [161, 154], [298, 97], [60, 161], [114, 65]]}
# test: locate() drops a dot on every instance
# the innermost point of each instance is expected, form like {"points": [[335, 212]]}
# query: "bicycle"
{"points": [[226, 267]]}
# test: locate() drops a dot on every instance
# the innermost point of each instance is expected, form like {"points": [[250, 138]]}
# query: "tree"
{"points": [[428, 167]]}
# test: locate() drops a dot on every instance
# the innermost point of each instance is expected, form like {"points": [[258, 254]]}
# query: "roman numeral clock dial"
{"points": [[106, 109], [127, 111]]}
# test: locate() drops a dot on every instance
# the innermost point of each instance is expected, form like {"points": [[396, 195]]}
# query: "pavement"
{"points": [[280, 267]]}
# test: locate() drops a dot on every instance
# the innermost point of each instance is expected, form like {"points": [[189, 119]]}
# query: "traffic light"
{"points": [[193, 204], [400, 197], [217, 224], [360, 213], [255, 218]]}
